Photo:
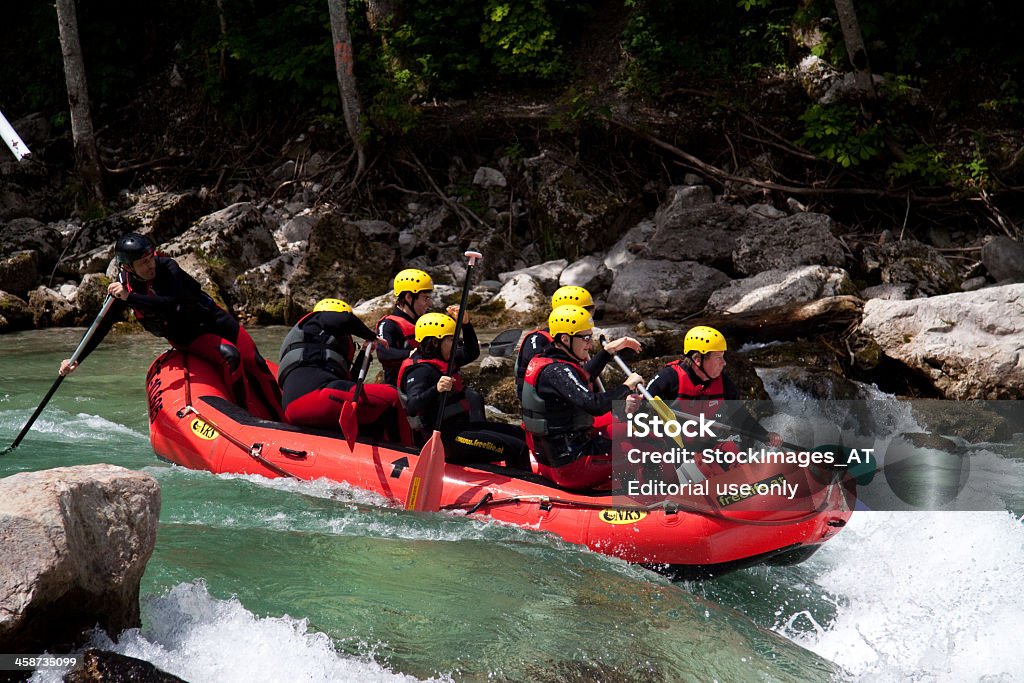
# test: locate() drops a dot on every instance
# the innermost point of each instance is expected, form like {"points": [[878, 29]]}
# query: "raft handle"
{"points": [[545, 503], [837, 522], [292, 453]]}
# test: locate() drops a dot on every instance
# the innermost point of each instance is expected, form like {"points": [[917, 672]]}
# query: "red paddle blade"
{"points": [[349, 423], [428, 477]]}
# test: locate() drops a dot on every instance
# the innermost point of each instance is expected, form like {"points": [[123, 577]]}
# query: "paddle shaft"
{"points": [[472, 256], [686, 416], [362, 372], [60, 378], [428, 477]]}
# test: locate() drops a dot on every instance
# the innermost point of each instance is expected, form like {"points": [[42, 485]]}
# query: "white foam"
{"points": [[924, 596], [200, 638]]}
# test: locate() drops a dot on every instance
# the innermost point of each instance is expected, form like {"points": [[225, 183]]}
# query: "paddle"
{"points": [[666, 414], [348, 420], [505, 343], [60, 378], [428, 477]]}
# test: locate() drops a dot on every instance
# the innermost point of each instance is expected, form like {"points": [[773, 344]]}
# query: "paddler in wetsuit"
{"points": [[170, 303], [413, 292], [467, 436], [560, 402], [697, 385], [536, 341], [317, 373]]}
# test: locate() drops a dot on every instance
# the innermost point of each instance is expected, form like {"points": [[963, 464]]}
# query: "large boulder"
{"points": [[344, 261], [670, 289], [261, 294], [706, 233], [589, 272], [229, 242], [28, 234], [19, 271], [1004, 259], [803, 239], [546, 274], [967, 345], [76, 541], [15, 313], [565, 202], [629, 245], [51, 308], [908, 262], [780, 287], [159, 215], [522, 294]]}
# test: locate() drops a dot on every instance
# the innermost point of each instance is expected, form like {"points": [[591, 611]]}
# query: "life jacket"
{"points": [[520, 366], [408, 329], [694, 398], [545, 419], [456, 404], [324, 350]]}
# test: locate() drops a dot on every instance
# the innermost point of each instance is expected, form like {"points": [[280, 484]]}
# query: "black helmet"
{"points": [[132, 247]]}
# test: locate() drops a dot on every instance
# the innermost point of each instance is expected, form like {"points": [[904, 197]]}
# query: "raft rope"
{"points": [[668, 506], [254, 451]]}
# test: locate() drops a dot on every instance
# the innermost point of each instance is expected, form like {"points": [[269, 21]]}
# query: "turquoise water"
{"points": [[269, 580]]}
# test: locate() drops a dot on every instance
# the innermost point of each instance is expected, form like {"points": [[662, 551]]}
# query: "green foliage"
{"points": [[922, 163], [840, 134], [522, 38], [664, 38]]}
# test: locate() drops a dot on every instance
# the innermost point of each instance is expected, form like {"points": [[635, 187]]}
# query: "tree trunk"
{"points": [[344, 66], [855, 47], [87, 158]]}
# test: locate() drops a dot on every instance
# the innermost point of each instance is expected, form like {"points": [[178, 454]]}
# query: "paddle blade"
{"points": [[505, 343], [428, 477], [349, 423]]}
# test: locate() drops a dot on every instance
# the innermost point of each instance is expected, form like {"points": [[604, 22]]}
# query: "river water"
{"points": [[272, 580]]}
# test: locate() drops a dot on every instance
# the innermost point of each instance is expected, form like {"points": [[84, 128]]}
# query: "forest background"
{"points": [[187, 93]]}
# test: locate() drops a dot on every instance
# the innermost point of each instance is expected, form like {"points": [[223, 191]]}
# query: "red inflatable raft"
{"points": [[193, 424]]}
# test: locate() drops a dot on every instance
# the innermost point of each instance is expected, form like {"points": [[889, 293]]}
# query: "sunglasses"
{"points": [[584, 337]]}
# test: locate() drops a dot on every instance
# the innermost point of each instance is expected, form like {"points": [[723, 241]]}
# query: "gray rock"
{"points": [[589, 272], [19, 271], [912, 263], [546, 274], [296, 229], [489, 177], [968, 345], [1004, 259], [15, 313], [50, 309], [629, 245], [896, 292], [522, 294], [766, 211], [973, 283], [228, 242], [779, 287], [28, 234], [76, 542], [663, 288], [802, 239], [707, 234]]}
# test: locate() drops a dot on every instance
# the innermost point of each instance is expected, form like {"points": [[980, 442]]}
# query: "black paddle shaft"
{"points": [[60, 378], [472, 256]]}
